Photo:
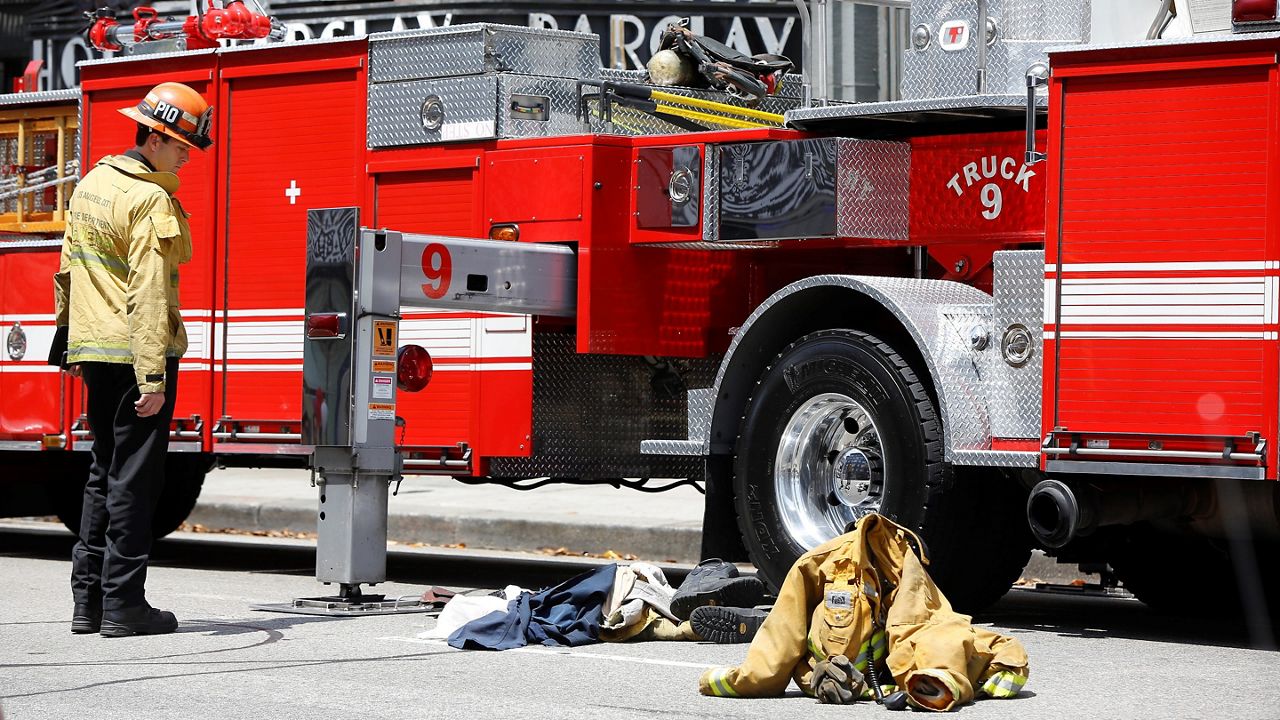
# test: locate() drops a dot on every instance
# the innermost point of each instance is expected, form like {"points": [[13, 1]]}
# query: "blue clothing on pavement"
{"points": [[566, 615]]}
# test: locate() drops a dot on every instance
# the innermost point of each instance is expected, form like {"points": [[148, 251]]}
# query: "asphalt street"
{"points": [[1097, 657]]}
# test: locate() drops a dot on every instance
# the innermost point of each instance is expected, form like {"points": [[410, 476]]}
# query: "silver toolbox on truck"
{"points": [[475, 82]]}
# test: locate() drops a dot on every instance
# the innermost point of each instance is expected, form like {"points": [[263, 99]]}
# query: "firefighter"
{"points": [[116, 293]]}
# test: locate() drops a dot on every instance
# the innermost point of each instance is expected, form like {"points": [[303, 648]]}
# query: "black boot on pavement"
{"points": [[715, 582], [140, 620], [86, 618], [727, 624]]}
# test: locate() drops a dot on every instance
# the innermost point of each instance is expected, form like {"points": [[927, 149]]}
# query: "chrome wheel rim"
{"points": [[829, 469]]}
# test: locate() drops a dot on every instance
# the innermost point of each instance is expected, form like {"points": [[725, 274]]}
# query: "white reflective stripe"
{"points": [[482, 367], [30, 367], [1144, 282], [1165, 286], [1255, 321], [1162, 334], [277, 367], [261, 340], [1159, 266], [198, 338], [5, 319], [1071, 299], [1271, 300], [261, 312], [1050, 300], [1166, 313]]}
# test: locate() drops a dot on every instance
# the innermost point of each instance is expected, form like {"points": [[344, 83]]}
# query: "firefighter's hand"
{"points": [[75, 371], [149, 404]]}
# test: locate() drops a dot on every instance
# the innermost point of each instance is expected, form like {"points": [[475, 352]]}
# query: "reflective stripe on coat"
{"points": [[117, 282]]}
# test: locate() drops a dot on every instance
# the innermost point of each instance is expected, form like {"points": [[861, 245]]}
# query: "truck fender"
{"points": [[928, 321]]}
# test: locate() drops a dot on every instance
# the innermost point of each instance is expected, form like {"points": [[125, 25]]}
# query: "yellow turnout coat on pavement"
{"points": [[829, 605], [117, 283]]}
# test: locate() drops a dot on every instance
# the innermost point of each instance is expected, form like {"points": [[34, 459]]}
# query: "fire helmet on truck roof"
{"points": [[177, 111]]}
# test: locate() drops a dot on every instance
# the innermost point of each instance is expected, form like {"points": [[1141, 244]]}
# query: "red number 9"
{"points": [[438, 267]]}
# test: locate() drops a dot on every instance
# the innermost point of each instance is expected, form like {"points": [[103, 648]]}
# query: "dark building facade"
{"points": [[867, 36]]}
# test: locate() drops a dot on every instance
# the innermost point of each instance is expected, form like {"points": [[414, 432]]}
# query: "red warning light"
{"points": [[326, 325], [1253, 11], [413, 368]]}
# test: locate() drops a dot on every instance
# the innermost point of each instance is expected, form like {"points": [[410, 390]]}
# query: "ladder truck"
{"points": [[1032, 304]]}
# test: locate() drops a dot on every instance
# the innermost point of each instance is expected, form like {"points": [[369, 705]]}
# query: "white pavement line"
{"points": [[569, 653]]}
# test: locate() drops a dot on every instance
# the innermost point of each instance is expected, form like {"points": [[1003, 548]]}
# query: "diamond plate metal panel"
{"points": [[957, 362], [1061, 21], [413, 56], [24, 242], [996, 458], [251, 47], [711, 193], [44, 96], [939, 74], [480, 48], [716, 246], [936, 313], [529, 51], [562, 118], [896, 107], [591, 413], [701, 406], [144, 58], [474, 107], [1024, 29], [468, 105], [873, 187], [1014, 393]]}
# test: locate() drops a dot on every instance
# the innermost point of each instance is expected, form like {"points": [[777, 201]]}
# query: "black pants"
{"points": [[109, 563]]}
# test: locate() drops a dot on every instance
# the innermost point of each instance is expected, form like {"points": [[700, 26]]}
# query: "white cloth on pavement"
{"points": [[462, 609]]}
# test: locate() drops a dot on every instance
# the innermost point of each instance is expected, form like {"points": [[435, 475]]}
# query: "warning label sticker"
{"points": [[382, 411], [384, 338], [382, 366], [382, 387]]}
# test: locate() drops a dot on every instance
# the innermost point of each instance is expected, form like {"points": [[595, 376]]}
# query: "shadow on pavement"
{"points": [[1098, 616]]}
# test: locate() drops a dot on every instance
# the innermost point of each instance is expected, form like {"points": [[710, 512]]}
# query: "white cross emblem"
{"points": [[293, 191]]}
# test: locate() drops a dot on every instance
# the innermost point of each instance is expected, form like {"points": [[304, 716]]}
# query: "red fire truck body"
{"points": [[1097, 378]]}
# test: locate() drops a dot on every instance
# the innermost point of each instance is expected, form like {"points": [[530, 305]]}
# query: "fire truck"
{"points": [[1031, 304]]}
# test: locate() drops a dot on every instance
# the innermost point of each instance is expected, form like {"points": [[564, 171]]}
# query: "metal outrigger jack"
{"points": [[348, 408], [356, 285]]}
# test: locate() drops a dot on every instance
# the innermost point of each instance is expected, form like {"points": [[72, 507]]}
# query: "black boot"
{"points": [[86, 618], [715, 582], [727, 624], [140, 620]]}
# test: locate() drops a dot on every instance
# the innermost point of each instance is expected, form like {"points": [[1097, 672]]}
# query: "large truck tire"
{"points": [[839, 426], [184, 478]]}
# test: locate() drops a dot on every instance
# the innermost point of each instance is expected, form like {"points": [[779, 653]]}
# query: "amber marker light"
{"points": [[509, 232]]}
